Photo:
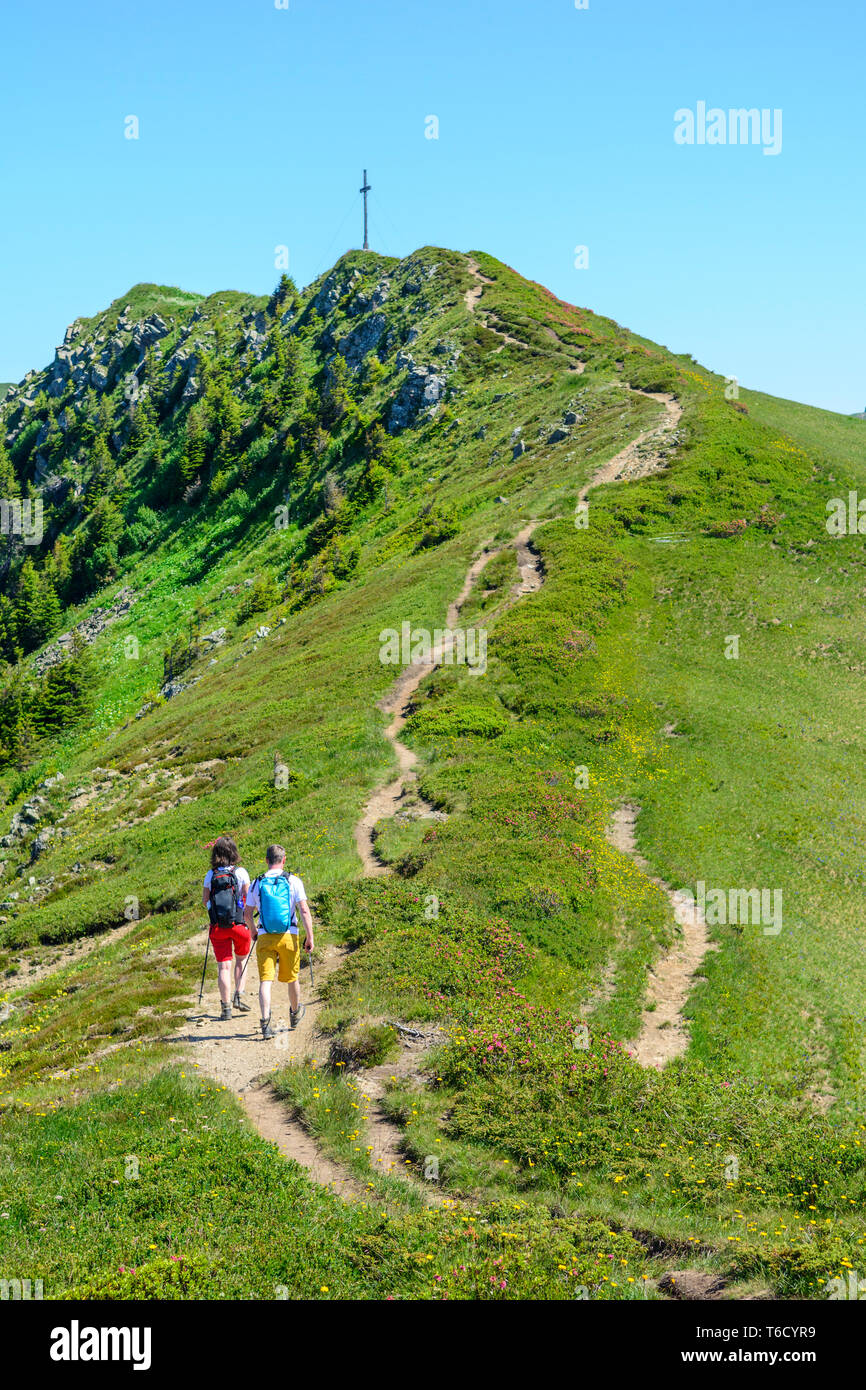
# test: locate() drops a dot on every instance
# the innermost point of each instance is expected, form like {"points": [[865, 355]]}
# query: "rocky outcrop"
{"points": [[363, 339], [24, 821], [183, 362], [329, 295], [418, 398], [41, 842], [255, 330], [148, 331], [88, 629]]}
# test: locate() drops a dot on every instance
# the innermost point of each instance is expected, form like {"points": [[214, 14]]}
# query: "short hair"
{"points": [[224, 852], [275, 854]]}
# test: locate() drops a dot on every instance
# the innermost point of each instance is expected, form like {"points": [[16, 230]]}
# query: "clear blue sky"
{"points": [[555, 129]]}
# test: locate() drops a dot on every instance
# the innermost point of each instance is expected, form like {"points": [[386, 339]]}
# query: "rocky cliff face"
{"points": [[116, 362]]}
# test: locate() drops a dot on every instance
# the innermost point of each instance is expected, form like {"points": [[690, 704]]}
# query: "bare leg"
{"points": [[240, 962], [225, 980], [265, 998]]}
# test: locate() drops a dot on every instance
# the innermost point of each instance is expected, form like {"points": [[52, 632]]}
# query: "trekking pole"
{"points": [[310, 963], [204, 968], [244, 971]]}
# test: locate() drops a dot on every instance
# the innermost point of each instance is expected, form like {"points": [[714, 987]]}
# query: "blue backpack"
{"points": [[276, 910]]}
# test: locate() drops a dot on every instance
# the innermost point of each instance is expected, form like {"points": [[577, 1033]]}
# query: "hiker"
{"points": [[279, 897], [224, 893]]}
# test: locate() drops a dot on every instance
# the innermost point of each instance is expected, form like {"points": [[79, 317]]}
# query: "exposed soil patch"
{"points": [[663, 1031], [54, 958], [472, 299], [646, 454], [386, 802]]}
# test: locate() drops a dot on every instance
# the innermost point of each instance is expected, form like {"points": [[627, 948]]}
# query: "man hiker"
{"points": [[279, 898], [223, 894]]}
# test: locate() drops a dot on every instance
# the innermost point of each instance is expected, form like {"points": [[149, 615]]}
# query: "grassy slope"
{"points": [[522, 859]]}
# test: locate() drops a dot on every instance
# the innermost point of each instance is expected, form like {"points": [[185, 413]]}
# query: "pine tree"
{"points": [[195, 447], [8, 627], [102, 469], [292, 385], [66, 691], [23, 739], [50, 610], [285, 296], [58, 564], [143, 425], [335, 396], [9, 485], [28, 607]]}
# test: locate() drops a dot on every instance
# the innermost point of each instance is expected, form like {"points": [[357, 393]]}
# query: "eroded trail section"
{"points": [[385, 801], [664, 1032], [234, 1055], [645, 455], [34, 969], [472, 300]]}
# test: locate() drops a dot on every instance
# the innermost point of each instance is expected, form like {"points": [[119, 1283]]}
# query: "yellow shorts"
{"points": [[278, 946]]}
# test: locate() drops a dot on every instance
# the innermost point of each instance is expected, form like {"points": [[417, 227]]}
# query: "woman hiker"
{"points": [[224, 894]]}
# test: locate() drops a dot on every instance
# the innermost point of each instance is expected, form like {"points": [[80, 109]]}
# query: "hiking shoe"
{"points": [[267, 1030], [239, 1004], [225, 1012], [295, 1015]]}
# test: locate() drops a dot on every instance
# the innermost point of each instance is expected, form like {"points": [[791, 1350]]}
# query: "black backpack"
{"points": [[225, 907]]}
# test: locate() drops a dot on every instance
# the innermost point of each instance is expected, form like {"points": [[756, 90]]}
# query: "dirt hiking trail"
{"points": [[233, 1053], [646, 454], [472, 299], [385, 801], [664, 1033]]}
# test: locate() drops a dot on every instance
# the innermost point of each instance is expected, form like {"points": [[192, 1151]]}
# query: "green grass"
{"points": [[512, 921], [188, 1184]]}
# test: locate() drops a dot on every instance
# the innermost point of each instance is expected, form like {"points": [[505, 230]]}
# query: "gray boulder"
{"points": [[148, 331], [41, 843], [419, 396], [181, 360], [363, 339], [62, 364], [328, 295]]}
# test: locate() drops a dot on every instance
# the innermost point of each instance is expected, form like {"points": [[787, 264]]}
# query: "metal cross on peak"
{"points": [[365, 189]]}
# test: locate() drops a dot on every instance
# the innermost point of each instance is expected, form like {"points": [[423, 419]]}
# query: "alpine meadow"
{"points": [[540, 649]]}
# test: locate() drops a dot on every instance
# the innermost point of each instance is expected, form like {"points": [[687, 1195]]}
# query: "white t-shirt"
{"points": [[297, 895], [240, 874]]}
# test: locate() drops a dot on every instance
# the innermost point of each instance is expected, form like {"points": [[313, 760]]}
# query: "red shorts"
{"points": [[223, 938]]}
